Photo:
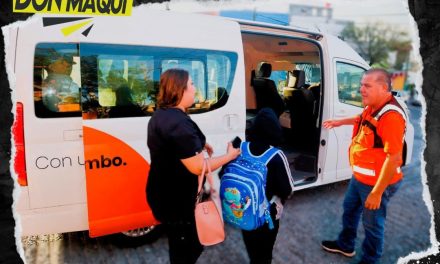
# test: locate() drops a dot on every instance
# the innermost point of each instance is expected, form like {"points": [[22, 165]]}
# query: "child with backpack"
{"points": [[254, 187]]}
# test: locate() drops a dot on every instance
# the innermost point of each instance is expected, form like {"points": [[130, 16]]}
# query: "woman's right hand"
{"points": [[232, 152], [195, 163]]}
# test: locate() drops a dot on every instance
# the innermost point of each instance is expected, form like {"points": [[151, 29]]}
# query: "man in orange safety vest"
{"points": [[375, 158]]}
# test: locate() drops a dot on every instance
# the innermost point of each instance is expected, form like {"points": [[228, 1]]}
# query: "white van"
{"points": [[81, 155]]}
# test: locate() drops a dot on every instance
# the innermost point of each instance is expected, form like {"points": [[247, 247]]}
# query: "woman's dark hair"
{"points": [[172, 85]]}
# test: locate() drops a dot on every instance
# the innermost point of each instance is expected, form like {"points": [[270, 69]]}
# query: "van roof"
{"points": [[314, 35]]}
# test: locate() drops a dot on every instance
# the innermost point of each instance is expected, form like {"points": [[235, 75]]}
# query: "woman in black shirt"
{"points": [[176, 145]]}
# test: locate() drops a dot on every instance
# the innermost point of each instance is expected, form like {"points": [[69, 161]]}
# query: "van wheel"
{"points": [[137, 237]]}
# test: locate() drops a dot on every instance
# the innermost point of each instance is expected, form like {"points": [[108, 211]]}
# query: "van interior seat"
{"points": [[296, 92], [300, 103], [266, 91], [316, 91]]}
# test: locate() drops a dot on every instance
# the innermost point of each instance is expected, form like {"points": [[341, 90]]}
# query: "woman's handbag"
{"points": [[208, 213]]}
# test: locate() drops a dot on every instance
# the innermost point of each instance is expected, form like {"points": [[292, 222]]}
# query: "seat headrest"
{"points": [[252, 77], [296, 79], [265, 70]]}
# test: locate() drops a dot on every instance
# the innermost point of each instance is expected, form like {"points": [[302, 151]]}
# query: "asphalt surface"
{"points": [[310, 216]]}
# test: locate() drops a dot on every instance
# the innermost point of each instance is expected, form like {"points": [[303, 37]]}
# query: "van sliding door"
{"points": [[120, 86], [116, 102]]}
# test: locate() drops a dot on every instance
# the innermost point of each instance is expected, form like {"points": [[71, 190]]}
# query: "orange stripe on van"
{"points": [[116, 176]]}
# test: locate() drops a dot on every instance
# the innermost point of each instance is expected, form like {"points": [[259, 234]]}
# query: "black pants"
{"points": [[259, 242], [183, 242]]}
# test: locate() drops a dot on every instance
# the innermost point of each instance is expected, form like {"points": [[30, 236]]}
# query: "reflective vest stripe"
{"points": [[364, 171], [368, 172], [389, 107]]}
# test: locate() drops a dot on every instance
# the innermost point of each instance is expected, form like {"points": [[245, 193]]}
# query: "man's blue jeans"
{"points": [[373, 220]]}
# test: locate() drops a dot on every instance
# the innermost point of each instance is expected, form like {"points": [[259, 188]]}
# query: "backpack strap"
{"points": [[265, 157], [269, 154], [244, 147]]}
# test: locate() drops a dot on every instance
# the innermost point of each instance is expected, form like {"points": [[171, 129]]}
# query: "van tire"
{"points": [[137, 237]]}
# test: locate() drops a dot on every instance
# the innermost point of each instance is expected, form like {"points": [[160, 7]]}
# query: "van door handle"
{"points": [[230, 121], [72, 135]]}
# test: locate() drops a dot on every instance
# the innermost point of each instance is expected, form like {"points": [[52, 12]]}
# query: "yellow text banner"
{"points": [[82, 7]]}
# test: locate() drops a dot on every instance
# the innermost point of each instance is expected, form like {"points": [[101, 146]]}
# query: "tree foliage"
{"points": [[374, 42]]}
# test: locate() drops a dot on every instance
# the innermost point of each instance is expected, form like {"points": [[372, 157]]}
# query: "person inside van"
{"points": [[176, 147], [125, 107], [58, 87], [115, 77], [265, 131]]}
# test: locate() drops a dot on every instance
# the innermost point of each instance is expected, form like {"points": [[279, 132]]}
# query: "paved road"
{"points": [[310, 216]]}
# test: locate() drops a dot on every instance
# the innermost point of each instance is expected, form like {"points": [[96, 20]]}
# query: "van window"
{"points": [[125, 79], [57, 80], [349, 79], [280, 79], [312, 72]]}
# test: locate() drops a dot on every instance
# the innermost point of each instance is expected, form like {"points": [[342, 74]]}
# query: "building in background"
{"points": [[254, 15], [316, 16], [313, 16]]}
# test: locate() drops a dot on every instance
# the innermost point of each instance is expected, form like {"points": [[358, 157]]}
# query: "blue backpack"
{"points": [[242, 190]]}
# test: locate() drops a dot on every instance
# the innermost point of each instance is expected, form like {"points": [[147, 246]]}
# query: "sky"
{"points": [[360, 11]]}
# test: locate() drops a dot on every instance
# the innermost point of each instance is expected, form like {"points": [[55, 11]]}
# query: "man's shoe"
{"points": [[333, 247]]}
